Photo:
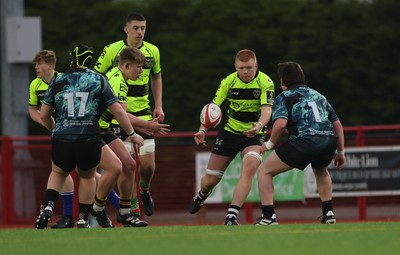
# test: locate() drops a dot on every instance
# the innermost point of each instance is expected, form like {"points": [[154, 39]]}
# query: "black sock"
{"points": [[84, 210], [268, 211], [233, 211], [326, 207], [51, 197], [99, 202], [124, 206]]}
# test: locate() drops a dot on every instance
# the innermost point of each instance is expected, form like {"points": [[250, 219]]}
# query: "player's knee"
{"points": [[149, 146], [115, 167], [253, 154], [129, 165]]}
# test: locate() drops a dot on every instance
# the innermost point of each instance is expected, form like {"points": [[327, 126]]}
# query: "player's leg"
{"points": [[54, 184], [270, 167], [88, 156], [324, 187], [323, 179], [147, 168], [132, 150], [67, 196], [213, 174], [62, 164], [112, 167], [113, 197], [125, 184], [87, 190], [251, 159]]}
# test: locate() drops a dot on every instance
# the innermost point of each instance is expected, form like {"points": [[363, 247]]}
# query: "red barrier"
{"points": [[359, 136]]}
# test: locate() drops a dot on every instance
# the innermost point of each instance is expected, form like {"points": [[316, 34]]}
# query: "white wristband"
{"points": [[132, 133], [340, 152], [260, 125], [269, 145], [202, 130]]}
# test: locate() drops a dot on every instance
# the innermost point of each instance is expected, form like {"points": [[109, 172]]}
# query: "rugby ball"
{"points": [[210, 115]]}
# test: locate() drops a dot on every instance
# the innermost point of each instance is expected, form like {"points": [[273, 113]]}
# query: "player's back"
{"points": [[309, 112], [79, 96]]}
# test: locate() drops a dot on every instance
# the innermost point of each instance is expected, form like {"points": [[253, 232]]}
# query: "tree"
{"points": [[348, 49]]}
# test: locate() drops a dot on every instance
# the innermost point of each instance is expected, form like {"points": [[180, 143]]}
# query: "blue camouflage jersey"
{"points": [[307, 111], [79, 97]]}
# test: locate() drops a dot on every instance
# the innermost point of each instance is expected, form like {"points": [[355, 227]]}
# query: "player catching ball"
{"points": [[250, 95]]}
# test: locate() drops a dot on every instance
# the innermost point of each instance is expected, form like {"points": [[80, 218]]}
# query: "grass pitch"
{"points": [[342, 238]]}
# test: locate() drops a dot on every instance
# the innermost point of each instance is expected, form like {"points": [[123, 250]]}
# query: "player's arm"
{"points": [[122, 117], [156, 87], [340, 157], [278, 130], [34, 113], [265, 116], [46, 118], [149, 127]]}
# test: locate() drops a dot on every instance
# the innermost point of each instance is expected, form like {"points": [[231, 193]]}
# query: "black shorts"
{"points": [[83, 154], [108, 135], [317, 151], [229, 144]]}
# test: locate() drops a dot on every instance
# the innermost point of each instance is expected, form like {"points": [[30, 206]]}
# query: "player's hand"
{"points": [[339, 161], [156, 126], [253, 131], [268, 145], [143, 130], [158, 112], [137, 139], [200, 137], [263, 149]]}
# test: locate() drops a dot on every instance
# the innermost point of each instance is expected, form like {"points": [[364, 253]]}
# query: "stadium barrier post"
{"points": [[7, 183], [362, 200]]}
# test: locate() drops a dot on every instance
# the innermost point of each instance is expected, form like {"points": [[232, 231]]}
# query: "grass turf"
{"points": [[343, 238]]}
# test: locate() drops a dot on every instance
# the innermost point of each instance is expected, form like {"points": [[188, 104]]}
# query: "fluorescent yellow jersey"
{"points": [[245, 100], [138, 91], [120, 88], [37, 89]]}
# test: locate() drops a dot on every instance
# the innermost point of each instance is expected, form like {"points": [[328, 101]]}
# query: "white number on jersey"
{"points": [[82, 96], [314, 108]]}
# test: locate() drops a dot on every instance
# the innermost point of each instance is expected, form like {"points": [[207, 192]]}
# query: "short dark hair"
{"points": [[290, 73], [135, 16]]}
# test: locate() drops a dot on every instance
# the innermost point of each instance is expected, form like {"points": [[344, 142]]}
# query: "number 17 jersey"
{"points": [[79, 97]]}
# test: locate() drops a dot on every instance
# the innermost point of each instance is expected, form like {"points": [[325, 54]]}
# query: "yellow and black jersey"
{"points": [[138, 90], [120, 88], [244, 99], [37, 89]]}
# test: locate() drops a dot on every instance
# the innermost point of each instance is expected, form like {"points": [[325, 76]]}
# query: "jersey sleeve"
{"points": [[222, 91], [332, 116], [267, 92], [49, 97], [33, 99], [279, 109], [157, 62], [108, 94], [118, 85], [105, 61]]}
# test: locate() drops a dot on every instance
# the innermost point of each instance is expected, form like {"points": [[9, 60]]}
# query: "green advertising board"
{"points": [[288, 185]]}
